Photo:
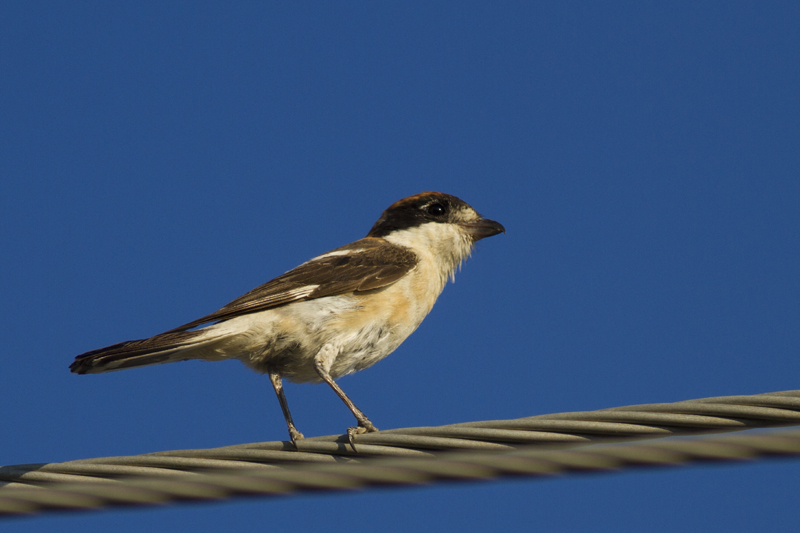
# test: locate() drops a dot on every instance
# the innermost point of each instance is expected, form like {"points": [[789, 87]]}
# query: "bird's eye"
{"points": [[436, 210]]}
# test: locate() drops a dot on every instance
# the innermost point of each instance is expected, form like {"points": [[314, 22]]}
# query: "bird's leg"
{"points": [[364, 425], [277, 384]]}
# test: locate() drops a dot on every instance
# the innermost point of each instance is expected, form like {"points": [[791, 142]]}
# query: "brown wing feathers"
{"points": [[373, 263]]}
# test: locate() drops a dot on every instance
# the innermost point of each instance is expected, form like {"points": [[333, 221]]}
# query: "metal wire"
{"points": [[533, 446]]}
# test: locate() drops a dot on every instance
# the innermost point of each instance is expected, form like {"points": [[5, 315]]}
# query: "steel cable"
{"points": [[532, 446]]}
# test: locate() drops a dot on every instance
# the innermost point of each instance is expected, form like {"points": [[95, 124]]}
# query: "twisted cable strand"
{"points": [[467, 451], [452, 466]]}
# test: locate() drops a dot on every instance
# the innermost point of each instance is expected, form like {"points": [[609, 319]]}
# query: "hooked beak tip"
{"points": [[480, 229]]}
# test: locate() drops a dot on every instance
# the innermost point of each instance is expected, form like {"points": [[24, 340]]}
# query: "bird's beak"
{"points": [[482, 228]]}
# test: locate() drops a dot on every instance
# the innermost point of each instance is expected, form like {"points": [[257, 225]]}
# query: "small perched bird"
{"points": [[340, 312]]}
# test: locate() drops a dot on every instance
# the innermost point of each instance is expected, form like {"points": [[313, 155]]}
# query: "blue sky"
{"points": [[160, 159]]}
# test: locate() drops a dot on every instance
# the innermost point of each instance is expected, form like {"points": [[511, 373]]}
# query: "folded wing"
{"points": [[367, 264]]}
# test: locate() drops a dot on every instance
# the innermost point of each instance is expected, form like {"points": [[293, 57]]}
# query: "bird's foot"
{"points": [[364, 426], [295, 436]]}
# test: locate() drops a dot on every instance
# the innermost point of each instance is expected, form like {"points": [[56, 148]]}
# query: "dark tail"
{"points": [[164, 348]]}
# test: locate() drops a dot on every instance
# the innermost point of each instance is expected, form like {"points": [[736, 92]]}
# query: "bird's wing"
{"points": [[366, 264]]}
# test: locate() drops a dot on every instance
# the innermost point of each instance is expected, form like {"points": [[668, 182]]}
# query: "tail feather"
{"points": [[165, 348]]}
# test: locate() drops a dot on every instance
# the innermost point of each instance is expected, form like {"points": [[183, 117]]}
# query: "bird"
{"points": [[333, 315]]}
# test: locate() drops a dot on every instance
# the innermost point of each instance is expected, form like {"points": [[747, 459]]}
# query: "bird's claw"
{"points": [[363, 427], [295, 436]]}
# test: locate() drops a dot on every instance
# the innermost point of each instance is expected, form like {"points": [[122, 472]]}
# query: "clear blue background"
{"points": [[159, 159]]}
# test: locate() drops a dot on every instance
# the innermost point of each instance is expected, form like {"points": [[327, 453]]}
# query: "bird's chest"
{"points": [[380, 321]]}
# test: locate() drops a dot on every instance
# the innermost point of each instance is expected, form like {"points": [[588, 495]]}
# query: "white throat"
{"points": [[445, 245]]}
